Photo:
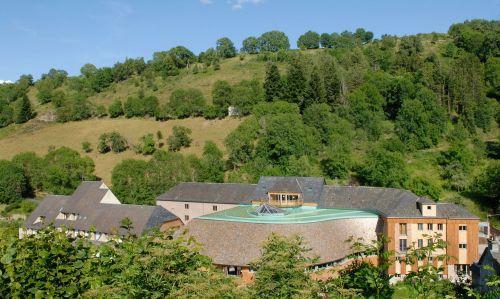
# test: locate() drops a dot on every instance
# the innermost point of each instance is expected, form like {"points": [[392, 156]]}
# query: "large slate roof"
{"points": [[387, 202], [103, 217], [210, 193], [239, 243]]}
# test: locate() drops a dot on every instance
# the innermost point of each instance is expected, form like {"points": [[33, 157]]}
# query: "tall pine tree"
{"points": [[272, 85], [296, 82], [315, 90], [23, 111]]}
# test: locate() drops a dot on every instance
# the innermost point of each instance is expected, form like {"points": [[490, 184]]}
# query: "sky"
{"points": [[39, 35]]}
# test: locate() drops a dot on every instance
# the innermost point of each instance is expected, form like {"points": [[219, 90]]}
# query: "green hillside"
{"points": [[418, 112]]}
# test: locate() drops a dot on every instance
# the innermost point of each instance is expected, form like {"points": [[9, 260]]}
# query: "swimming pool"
{"points": [[303, 214]]}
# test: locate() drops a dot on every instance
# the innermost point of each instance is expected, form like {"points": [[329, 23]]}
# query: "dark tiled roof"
{"points": [[103, 217], [309, 187], [209, 192], [388, 202], [239, 243]]}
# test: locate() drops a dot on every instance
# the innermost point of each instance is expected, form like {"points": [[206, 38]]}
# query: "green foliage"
{"points": [[116, 109], [315, 90], [65, 169], [422, 186], [487, 185], [479, 37], [139, 182], [273, 86], [86, 146], [34, 168], [180, 138], [383, 169], [222, 94], [285, 135], [250, 45], [240, 142], [273, 41], [23, 111], [295, 81], [225, 48], [212, 164], [12, 182], [457, 163], [113, 141], [309, 40], [279, 271], [140, 106], [6, 113], [74, 109], [187, 102], [337, 160], [420, 122], [365, 110], [146, 146], [111, 270]]}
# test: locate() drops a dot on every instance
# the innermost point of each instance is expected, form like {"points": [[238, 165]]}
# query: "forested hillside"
{"points": [[418, 112]]}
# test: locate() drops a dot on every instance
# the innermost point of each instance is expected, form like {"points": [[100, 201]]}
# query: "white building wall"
{"points": [[195, 209]]}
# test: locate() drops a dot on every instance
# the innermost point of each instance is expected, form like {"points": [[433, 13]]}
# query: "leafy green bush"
{"points": [[116, 109], [113, 141], [12, 182], [86, 146], [383, 169], [186, 102], [424, 187], [179, 138], [146, 146]]}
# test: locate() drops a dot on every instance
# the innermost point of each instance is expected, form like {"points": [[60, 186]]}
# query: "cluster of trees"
{"points": [[60, 171], [139, 181], [15, 106], [74, 267]]}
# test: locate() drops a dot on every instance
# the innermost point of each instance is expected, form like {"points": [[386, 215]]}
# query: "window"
{"points": [[186, 206], [429, 226], [420, 243], [397, 275], [420, 226], [402, 229], [186, 217], [440, 226], [214, 208], [461, 268], [429, 207], [402, 245], [462, 227], [430, 258], [462, 246], [429, 242]]}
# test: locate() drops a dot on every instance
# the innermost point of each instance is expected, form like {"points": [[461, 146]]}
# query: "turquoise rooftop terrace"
{"points": [[303, 214]]}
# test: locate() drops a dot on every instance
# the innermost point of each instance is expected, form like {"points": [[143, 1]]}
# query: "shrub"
{"points": [[383, 169], [12, 182], [112, 142], [74, 110], [146, 145], [116, 109], [213, 112], [424, 187], [187, 102], [86, 147], [140, 106], [180, 138], [65, 170]]}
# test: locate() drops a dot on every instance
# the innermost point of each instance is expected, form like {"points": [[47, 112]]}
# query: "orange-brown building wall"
{"points": [[452, 238]]}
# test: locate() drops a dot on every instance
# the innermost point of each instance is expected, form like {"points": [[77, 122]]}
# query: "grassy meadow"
{"points": [[38, 137]]}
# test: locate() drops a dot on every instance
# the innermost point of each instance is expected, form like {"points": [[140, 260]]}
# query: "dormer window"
{"points": [[39, 219]]}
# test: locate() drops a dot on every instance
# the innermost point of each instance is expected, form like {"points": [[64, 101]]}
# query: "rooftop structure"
{"points": [[93, 207]]}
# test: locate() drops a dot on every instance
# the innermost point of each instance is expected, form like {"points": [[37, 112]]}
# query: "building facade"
{"points": [[223, 218]]}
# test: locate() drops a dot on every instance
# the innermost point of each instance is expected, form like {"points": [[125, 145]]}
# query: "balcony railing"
{"points": [[286, 203]]}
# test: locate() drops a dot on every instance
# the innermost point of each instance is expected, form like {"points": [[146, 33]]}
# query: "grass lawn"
{"points": [[72, 135]]}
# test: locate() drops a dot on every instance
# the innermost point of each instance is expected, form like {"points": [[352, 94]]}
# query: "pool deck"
{"points": [[304, 214]]}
